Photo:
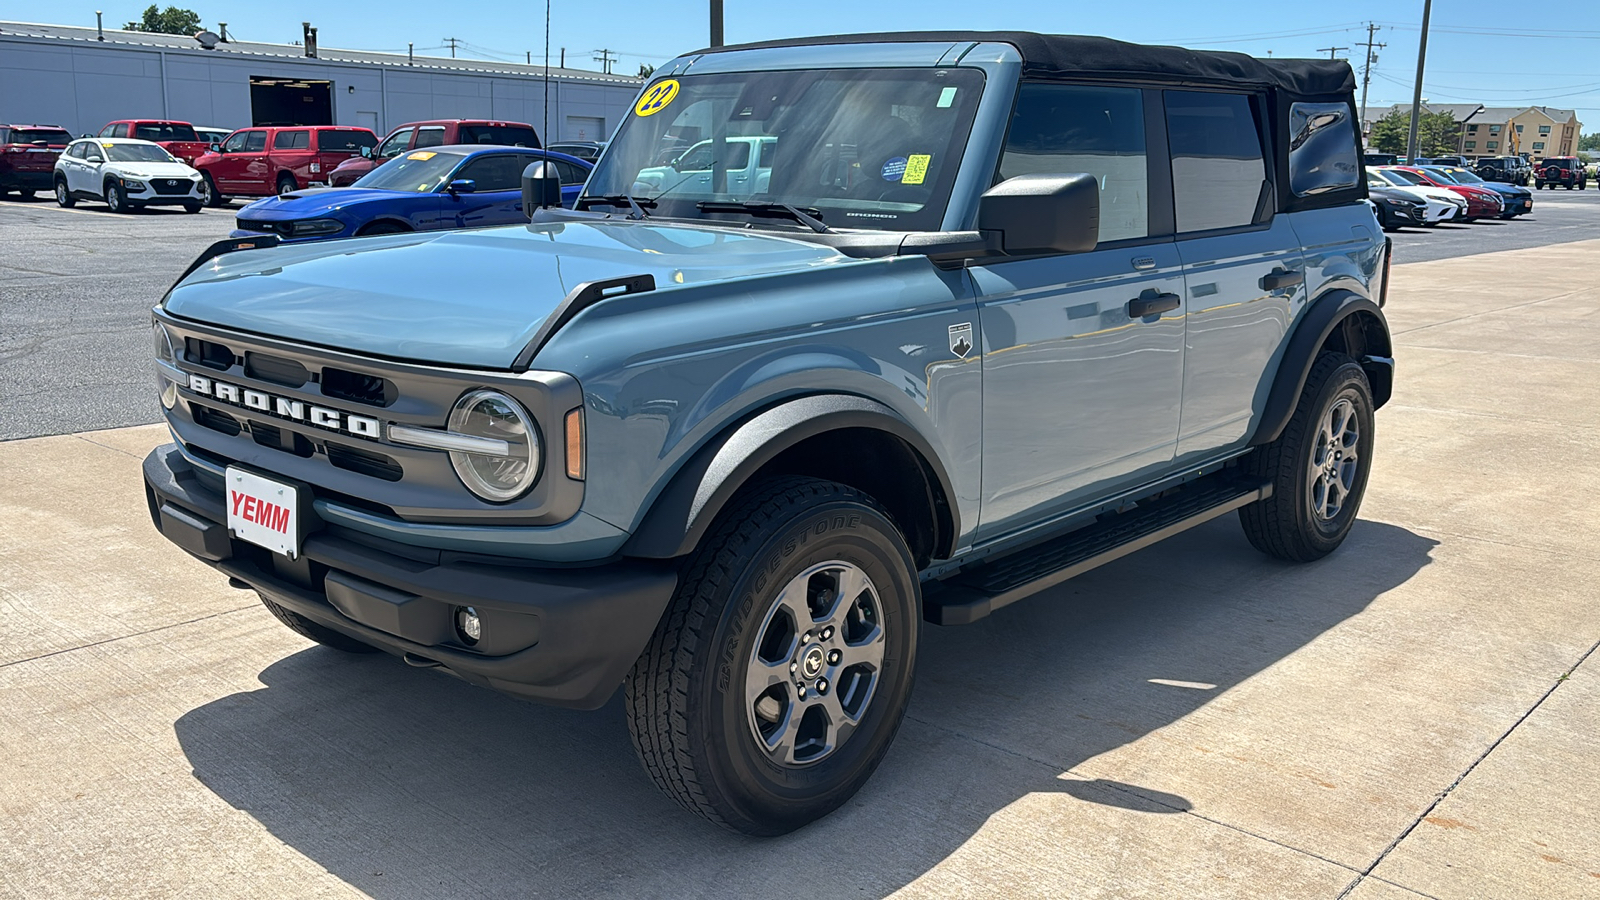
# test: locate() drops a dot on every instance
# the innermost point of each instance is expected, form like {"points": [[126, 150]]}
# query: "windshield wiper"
{"points": [[638, 206], [811, 218]]}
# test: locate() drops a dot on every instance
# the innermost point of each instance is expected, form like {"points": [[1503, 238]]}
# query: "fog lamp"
{"points": [[468, 626]]}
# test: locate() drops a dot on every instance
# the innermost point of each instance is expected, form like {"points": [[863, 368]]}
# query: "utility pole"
{"points": [[716, 23], [452, 42], [605, 58], [1416, 94], [1366, 70], [1331, 50]]}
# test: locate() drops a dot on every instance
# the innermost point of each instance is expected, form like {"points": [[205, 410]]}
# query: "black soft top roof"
{"points": [[1083, 56]]}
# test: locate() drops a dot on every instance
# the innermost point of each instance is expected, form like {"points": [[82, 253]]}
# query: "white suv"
{"points": [[125, 174]]}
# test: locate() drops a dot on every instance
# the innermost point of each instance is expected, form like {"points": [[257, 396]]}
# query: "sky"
{"points": [[1474, 54]]}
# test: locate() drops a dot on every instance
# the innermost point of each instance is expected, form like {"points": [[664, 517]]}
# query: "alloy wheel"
{"points": [[815, 664], [1335, 460]]}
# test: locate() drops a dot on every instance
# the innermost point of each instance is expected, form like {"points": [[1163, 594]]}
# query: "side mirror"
{"points": [[462, 186], [541, 187], [216, 147], [1043, 214], [366, 152]]}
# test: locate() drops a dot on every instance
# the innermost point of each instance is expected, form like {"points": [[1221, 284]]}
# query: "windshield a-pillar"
{"points": [[856, 148]]}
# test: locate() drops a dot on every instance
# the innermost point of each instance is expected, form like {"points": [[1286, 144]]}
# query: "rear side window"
{"points": [[512, 135], [345, 141], [1322, 148], [1218, 170], [119, 130], [292, 140], [430, 136], [255, 140], [1063, 129], [570, 173]]}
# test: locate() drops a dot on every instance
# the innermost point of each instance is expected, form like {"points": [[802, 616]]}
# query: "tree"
{"points": [[1589, 141], [646, 70], [1437, 133], [171, 20]]}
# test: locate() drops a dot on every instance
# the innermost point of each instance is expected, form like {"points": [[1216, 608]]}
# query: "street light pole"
{"points": [[1416, 95]]}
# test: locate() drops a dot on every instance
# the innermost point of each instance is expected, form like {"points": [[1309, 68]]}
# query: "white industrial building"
{"points": [[81, 78]]}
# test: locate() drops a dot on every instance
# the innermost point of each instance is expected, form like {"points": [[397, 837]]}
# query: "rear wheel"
{"points": [[1318, 466], [780, 672], [286, 184], [64, 196], [306, 628]]}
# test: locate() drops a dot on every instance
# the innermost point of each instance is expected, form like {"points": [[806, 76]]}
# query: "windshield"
{"points": [[164, 131], [419, 171], [48, 135], [1404, 178], [137, 153], [512, 135], [1462, 176], [1444, 175], [862, 148]]}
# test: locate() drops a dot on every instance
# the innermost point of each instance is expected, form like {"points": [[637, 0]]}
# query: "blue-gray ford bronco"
{"points": [[895, 329]]}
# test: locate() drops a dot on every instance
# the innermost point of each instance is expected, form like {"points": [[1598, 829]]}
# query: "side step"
{"points": [[974, 592]]}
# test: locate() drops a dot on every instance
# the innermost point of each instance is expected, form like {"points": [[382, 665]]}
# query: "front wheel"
{"points": [[1318, 466], [192, 208], [116, 197], [781, 670]]}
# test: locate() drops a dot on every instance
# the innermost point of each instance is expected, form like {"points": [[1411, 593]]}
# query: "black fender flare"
{"points": [[685, 509], [1325, 315]]}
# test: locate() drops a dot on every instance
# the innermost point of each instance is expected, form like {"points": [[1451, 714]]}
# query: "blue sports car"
{"points": [[466, 186]]}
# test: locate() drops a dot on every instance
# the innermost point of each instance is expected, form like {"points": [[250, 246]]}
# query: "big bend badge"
{"points": [[961, 339]]}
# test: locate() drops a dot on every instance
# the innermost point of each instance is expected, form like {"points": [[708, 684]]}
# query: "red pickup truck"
{"points": [[435, 133], [177, 138], [260, 162], [28, 156]]}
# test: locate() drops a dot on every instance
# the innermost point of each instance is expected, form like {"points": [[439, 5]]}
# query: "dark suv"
{"points": [[1503, 169], [1566, 171]]}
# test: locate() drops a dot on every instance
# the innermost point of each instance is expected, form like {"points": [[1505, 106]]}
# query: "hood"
{"points": [[153, 169], [311, 202], [469, 298]]}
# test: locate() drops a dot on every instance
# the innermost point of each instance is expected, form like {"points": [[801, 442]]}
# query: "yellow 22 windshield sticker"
{"points": [[656, 98], [916, 168]]}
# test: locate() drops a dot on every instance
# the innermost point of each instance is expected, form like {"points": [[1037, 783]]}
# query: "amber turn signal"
{"points": [[575, 444]]}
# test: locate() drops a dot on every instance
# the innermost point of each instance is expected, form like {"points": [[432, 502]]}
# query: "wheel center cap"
{"points": [[812, 662]]}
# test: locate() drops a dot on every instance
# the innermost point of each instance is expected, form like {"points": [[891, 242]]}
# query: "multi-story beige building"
{"points": [[1536, 131]]}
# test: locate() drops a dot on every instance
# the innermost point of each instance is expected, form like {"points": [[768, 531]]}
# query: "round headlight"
{"points": [[167, 372], [495, 476]]}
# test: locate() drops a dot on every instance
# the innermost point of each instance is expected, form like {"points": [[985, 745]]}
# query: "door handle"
{"points": [[1152, 302], [1278, 279]]}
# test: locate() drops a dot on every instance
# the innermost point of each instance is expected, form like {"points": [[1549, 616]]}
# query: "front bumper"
{"points": [[149, 196], [563, 636]]}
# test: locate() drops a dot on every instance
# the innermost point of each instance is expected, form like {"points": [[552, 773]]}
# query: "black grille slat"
{"points": [[170, 187], [365, 462], [275, 369], [210, 354], [215, 420], [279, 439], [358, 387]]}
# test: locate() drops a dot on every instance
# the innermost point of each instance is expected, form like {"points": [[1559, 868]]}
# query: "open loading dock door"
{"points": [[289, 101]]}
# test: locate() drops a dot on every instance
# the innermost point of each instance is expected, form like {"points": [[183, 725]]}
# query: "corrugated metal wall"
{"points": [[83, 87]]}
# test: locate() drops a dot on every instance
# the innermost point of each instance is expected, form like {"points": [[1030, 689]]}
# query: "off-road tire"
{"points": [[310, 630], [64, 198], [686, 694], [208, 192], [1284, 524]]}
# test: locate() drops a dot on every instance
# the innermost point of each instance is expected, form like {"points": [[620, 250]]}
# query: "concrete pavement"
{"points": [[1414, 716]]}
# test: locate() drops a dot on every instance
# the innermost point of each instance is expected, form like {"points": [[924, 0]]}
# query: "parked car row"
{"points": [[1428, 195]]}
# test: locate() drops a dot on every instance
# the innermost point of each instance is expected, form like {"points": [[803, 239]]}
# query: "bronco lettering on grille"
{"points": [[286, 408]]}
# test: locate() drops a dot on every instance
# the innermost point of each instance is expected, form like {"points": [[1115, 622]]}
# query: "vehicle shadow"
{"points": [[402, 782]]}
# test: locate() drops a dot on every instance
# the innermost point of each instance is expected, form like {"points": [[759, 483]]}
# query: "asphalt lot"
{"points": [[76, 287], [1413, 716]]}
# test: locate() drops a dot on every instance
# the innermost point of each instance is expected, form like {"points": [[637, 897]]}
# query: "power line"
{"points": [[452, 42], [605, 58], [1331, 50]]}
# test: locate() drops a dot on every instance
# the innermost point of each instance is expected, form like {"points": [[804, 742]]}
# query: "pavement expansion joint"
{"points": [[123, 637], [1440, 797]]}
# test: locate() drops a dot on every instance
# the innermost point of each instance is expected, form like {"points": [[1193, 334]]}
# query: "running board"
{"points": [[974, 592]]}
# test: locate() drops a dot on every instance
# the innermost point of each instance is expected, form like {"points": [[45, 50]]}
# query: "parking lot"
{"points": [[1412, 716]]}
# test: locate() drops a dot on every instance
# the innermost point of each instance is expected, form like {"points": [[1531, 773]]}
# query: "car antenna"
{"points": [[545, 134]]}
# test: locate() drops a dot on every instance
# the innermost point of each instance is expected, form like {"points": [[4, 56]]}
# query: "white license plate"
{"points": [[264, 512]]}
